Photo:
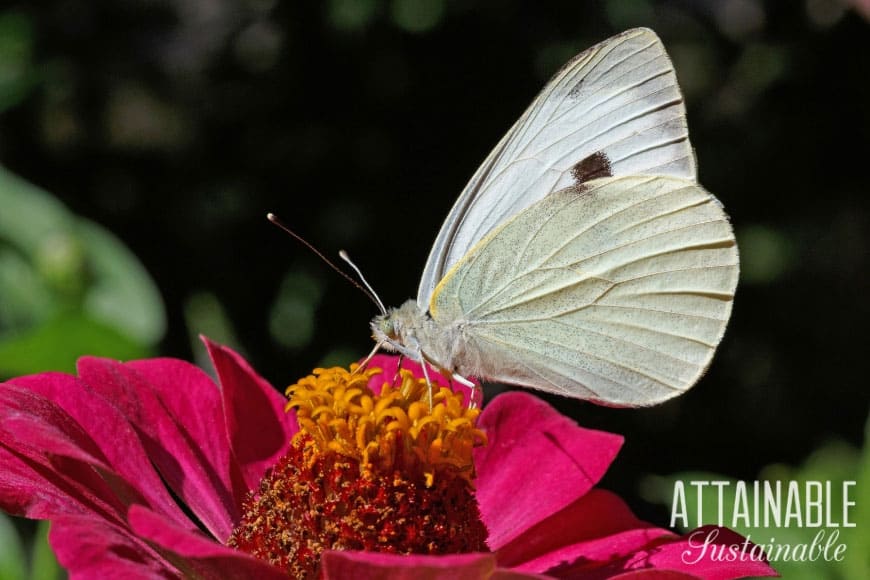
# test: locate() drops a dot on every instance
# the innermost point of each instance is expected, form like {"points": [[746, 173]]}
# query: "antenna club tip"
{"points": [[271, 217]]}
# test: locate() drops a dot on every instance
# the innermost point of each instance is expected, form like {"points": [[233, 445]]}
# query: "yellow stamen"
{"points": [[400, 428]]}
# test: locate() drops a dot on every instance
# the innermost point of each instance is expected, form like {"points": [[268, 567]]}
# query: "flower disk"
{"points": [[387, 472]]}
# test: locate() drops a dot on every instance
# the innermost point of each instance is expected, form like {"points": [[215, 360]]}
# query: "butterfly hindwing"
{"points": [[617, 291]]}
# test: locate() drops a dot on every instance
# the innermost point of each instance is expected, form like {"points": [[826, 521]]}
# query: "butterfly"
{"points": [[583, 258]]}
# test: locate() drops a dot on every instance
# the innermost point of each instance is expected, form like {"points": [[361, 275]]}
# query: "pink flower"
{"points": [[143, 467]]}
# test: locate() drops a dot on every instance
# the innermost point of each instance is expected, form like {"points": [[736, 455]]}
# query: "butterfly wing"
{"points": [[614, 109], [617, 291]]}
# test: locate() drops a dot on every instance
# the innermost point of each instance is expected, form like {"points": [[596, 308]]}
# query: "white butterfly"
{"points": [[582, 258]]}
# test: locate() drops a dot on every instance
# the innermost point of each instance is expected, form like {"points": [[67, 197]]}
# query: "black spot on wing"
{"points": [[592, 167]]}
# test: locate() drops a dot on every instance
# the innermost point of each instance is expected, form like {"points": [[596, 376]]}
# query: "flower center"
{"points": [[388, 472]]}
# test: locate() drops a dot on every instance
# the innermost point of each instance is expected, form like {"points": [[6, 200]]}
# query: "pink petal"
{"points": [[379, 566], [91, 547], [196, 555], [28, 489], [176, 409], [258, 428], [678, 554], [686, 554], [536, 463], [389, 365], [654, 575], [110, 432], [50, 466], [595, 529], [507, 574]]}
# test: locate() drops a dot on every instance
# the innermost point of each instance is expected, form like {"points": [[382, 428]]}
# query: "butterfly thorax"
{"points": [[412, 332]]}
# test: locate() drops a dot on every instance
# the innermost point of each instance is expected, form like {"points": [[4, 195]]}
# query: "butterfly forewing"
{"points": [[617, 291], [615, 109]]}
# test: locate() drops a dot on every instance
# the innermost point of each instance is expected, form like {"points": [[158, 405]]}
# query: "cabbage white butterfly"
{"points": [[582, 258]]}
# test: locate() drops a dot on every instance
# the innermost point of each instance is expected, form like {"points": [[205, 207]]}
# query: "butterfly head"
{"points": [[384, 328], [397, 329]]}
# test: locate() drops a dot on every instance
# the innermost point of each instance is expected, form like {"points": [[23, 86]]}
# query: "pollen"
{"points": [[388, 471]]}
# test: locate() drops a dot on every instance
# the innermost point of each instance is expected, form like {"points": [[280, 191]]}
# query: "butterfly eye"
{"points": [[388, 327]]}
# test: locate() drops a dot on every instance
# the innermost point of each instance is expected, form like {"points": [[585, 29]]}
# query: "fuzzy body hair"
{"points": [[412, 332]]}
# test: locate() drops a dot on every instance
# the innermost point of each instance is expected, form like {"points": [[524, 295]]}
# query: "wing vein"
{"points": [[594, 356]]}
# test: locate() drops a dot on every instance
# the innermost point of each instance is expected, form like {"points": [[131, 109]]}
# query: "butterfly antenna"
{"points": [[343, 255], [365, 290]]}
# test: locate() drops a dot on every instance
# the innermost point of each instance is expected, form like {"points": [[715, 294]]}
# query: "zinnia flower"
{"points": [[147, 469]]}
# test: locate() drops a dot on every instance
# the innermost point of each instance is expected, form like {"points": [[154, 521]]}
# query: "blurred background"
{"points": [[143, 141]]}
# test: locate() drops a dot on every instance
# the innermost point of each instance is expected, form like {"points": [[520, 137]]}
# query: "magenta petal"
{"points": [[118, 444], [687, 555], [654, 575], [176, 409], [196, 555], [508, 574], [50, 465], [535, 463], [29, 489], [675, 554], [389, 365], [595, 529], [337, 565], [90, 547], [258, 428]]}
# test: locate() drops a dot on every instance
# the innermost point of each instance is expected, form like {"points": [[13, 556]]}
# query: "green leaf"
{"points": [[859, 536], [52, 261], [26, 299], [30, 215], [13, 563], [43, 562], [58, 343], [121, 292]]}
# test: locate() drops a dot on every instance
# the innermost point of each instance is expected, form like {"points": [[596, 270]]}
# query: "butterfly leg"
{"points": [[368, 359], [423, 364], [470, 384], [398, 367]]}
